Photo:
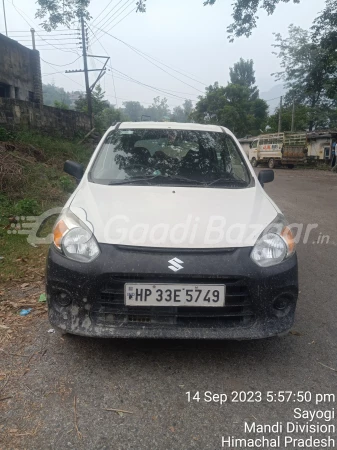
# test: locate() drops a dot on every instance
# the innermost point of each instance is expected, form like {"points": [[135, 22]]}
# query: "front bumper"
{"points": [[88, 299]]}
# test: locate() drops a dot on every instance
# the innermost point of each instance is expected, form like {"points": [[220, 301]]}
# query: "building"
{"points": [[20, 72], [321, 143], [21, 97], [245, 143]]}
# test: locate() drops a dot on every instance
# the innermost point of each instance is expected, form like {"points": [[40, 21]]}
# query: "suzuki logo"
{"points": [[176, 264]]}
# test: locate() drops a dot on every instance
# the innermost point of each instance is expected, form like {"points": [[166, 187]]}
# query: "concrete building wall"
{"points": [[18, 115], [20, 72]]}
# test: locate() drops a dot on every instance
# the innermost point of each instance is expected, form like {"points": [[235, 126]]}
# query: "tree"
{"points": [[159, 110], [325, 35], [61, 12], [65, 12], [182, 113], [109, 116], [99, 104], [53, 94], [243, 74], [302, 117], [133, 111], [232, 106], [245, 15], [60, 105], [307, 71]]}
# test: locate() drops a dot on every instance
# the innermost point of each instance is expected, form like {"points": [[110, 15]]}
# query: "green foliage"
{"points": [[302, 114], [243, 74], [109, 116], [159, 111], [53, 94], [61, 12], [245, 15], [133, 111], [6, 135], [236, 106], [60, 105], [325, 34], [182, 113], [66, 12], [67, 183], [309, 71], [27, 207]]}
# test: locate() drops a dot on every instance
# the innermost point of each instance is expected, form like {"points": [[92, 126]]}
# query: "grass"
{"points": [[43, 186]]}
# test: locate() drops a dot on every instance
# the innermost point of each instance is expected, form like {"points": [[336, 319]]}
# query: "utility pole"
{"points": [[293, 117], [280, 116], [5, 19], [33, 38], [86, 73]]}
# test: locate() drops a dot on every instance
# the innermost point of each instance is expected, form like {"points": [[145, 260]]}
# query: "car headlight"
{"points": [[275, 244], [74, 239]]}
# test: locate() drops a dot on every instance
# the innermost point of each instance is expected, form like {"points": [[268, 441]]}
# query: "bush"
{"points": [[6, 135], [27, 207], [67, 184]]}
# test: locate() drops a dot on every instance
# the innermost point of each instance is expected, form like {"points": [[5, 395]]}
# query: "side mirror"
{"points": [[74, 169], [266, 176]]}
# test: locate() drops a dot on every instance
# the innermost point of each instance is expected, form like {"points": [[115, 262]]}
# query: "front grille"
{"points": [[109, 308]]}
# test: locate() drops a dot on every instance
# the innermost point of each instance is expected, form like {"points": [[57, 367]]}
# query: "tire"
{"points": [[271, 163], [254, 162], [291, 166]]}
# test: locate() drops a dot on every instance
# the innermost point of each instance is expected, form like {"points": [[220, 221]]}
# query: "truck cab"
{"points": [[266, 150]]}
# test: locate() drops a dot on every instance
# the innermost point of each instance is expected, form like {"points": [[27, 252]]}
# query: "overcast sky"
{"points": [[184, 35]]}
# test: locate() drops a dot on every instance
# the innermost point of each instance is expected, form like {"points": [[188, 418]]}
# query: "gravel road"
{"points": [[62, 389]]}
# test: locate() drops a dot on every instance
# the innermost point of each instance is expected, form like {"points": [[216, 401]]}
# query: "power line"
{"points": [[130, 79], [144, 55], [64, 50], [62, 65], [111, 18], [127, 15], [116, 17], [104, 19], [53, 31], [51, 65], [104, 49], [99, 15], [271, 99], [44, 35], [149, 86], [52, 39], [169, 91]]}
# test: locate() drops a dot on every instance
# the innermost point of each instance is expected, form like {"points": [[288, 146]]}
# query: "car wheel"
{"points": [[271, 163], [291, 166], [254, 162]]}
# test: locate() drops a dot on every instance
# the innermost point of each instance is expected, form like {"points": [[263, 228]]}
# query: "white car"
{"points": [[170, 234]]}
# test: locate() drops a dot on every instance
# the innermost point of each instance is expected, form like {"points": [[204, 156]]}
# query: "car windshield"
{"points": [[163, 157]]}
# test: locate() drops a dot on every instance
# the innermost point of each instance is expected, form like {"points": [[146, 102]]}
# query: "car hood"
{"points": [[173, 217]]}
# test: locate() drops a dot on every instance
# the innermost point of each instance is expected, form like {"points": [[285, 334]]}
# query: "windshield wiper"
{"points": [[130, 181], [226, 181], [148, 178]]}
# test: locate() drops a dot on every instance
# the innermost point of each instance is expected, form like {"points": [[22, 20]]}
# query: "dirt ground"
{"points": [[58, 392]]}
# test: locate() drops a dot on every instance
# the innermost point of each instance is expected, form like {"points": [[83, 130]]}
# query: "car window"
{"points": [[254, 144], [202, 157]]}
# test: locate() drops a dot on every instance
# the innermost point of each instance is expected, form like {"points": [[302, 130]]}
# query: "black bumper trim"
{"points": [[96, 295]]}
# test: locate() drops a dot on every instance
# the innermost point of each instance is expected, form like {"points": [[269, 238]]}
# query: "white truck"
{"points": [[279, 149]]}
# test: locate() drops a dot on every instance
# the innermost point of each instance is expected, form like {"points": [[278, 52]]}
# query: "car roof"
{"points": [[171, 126]]}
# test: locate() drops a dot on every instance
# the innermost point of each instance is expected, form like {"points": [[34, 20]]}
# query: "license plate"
{"points": [[175, 295]]}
